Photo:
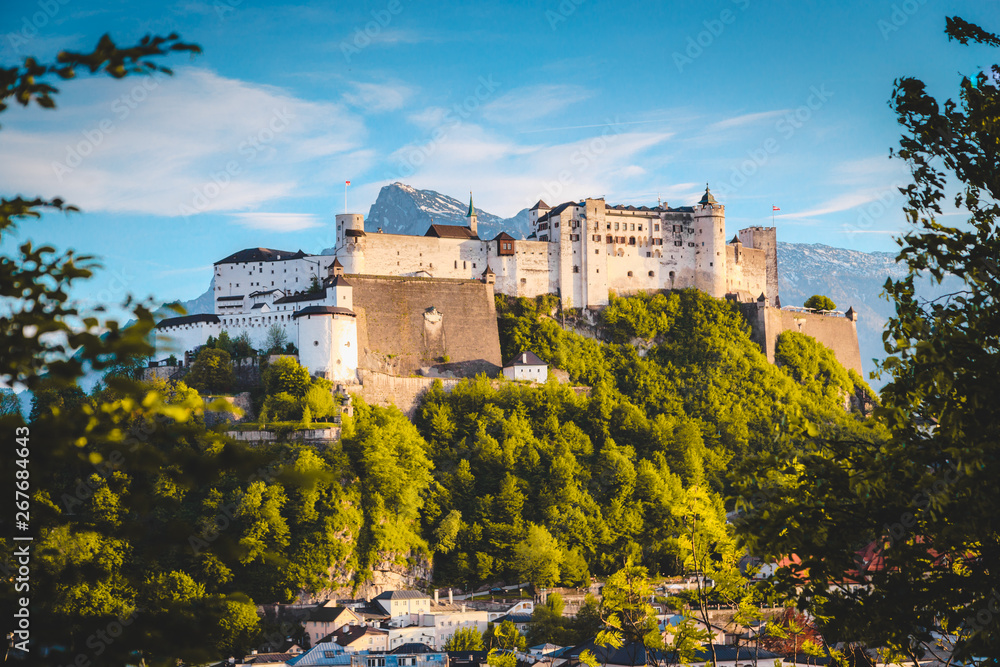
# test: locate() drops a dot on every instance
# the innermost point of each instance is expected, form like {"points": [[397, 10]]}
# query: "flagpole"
{"points": [[345, 197]]}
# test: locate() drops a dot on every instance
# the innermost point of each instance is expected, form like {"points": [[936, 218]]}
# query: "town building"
{"points": [[526, 366]]}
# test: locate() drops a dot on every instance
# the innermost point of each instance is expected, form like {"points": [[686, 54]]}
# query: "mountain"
{"points": [[853, 279], [401, 209], [200, 304]]}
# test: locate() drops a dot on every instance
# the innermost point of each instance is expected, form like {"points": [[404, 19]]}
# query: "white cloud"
{"points": [[533, 102], [516, 174], [842, 202], [744, 120], [175, 145], [277, 222], [378, 97]]}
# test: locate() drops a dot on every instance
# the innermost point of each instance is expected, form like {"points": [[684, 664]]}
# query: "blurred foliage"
{"points": [[912, 518]]}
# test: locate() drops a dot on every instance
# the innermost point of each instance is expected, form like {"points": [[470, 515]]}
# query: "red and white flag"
{"points": [[773, 207], [347, 182]]}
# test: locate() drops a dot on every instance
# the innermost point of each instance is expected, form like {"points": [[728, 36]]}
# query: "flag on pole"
{"points": [[347, 182], [773, 207]]}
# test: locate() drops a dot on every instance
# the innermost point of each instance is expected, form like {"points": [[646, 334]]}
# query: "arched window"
{"points": [[650, 274], [671, 280]]}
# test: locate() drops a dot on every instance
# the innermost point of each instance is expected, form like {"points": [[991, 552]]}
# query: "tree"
{"points": [[465, 639], [277, 339], [538, 557], [548, 624], [10, 404], [286, 375], [820, 302], [282, 407], [320, 401], [102, 554], [913, 519], [629, 619], [212, 371], [243, 346], [792, 634], [504, 637]]}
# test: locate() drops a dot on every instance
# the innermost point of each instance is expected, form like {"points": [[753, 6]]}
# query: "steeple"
{"points": [[707, 198], [471, 215]]}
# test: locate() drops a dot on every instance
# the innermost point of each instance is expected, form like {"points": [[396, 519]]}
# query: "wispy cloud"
{"points": [[277, 222], [843, 202], [533, 102], [378, 97], [171, 146], [744, 120]]}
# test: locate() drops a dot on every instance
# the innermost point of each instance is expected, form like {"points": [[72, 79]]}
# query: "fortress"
{"points": [[581, 251], [396, 303]]}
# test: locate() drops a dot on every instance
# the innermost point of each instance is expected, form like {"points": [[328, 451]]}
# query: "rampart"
{"points": [[403, 392], [407, 323], [836, 331]]}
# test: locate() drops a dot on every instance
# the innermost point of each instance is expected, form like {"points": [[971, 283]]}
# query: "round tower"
{"points": [[710, 241], [328, 342], [351, 242]]}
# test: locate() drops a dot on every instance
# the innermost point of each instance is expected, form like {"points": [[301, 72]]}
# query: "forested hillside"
{"points": [[496, 481], [620, 472]]}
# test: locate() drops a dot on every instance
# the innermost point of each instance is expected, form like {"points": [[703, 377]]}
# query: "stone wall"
{"points": [[835, 331], [407, 323], [309, 436], [241, 401], [403, 392]]}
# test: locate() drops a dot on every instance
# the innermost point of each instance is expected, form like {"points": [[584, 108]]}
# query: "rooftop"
{"points": [[401, 595], [187, 319], [525, 358], [260, 255], [451, 232]]}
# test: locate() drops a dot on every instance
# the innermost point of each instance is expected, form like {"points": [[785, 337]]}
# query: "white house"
{"points": [[526, 366]]}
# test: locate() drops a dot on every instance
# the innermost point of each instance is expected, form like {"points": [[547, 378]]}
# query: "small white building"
{"points": [[526, 366]]}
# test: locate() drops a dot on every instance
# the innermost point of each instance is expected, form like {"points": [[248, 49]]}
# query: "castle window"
{"points": [[633, 227], [651, 274], [463, 265], [596, 251], [315, 342], [576, 269], [629, 274], [631, 240], [456, 263], [710, 263], [524, 281], [640, 228], [656, 228]]}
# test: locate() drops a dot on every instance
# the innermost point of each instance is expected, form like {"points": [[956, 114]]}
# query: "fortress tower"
{"points": [[710, 245], [328, 341], [765, 238], [351, 230]]}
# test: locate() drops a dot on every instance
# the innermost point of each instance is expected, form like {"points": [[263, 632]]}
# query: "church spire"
{"points": [[471, 215]]}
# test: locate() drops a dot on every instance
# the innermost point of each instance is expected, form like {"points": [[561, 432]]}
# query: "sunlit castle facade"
{"points": [[581, 251], [259, 288]]}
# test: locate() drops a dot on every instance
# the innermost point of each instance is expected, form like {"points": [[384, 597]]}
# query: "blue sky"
{"points": [[250, 143]]}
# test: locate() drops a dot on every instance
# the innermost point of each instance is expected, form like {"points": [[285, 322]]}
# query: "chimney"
{"points": [[435, 596], [463, 607], [451, 600]]}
